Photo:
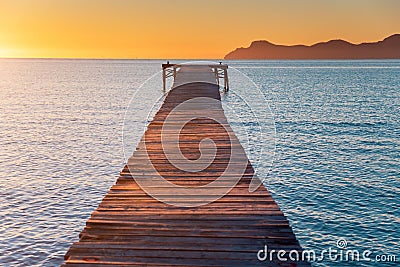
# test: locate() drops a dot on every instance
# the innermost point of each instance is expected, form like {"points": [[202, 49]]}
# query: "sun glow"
{"points": [[7, 53]]}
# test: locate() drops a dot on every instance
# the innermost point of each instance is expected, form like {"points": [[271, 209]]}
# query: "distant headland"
{"points": [[389, 48]]}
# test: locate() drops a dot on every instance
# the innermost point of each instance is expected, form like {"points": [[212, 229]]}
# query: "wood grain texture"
{"points": [[131, 228]]}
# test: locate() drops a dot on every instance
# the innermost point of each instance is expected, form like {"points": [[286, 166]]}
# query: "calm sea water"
{"points": [[336, 172]]}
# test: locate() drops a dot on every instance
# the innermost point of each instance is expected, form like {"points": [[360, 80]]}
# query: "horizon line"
{"points": [[194, 59], [110, 58], [198, 58]]}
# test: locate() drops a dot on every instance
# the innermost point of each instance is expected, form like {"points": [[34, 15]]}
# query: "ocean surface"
{"points": [[331, 133]]}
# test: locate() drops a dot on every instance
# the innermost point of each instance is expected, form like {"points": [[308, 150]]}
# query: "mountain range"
{"points": [[388, 48]]}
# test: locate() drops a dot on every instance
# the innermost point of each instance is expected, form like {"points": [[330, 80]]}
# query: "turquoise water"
{"points": [[335, 174]]}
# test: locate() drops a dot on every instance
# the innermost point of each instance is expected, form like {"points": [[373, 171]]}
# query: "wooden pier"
{"points": [[132, 228]]}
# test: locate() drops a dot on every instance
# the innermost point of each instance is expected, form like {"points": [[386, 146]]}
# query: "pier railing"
{"points": [[220, 72]]}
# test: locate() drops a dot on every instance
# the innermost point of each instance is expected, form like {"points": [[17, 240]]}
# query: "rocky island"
{"points": [[389, 48]]}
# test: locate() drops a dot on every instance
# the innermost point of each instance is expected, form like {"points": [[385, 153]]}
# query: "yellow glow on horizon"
{"points": [[183, 29]]}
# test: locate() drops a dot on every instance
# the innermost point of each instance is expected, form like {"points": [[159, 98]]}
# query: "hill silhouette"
{"points": [[389, 48]]}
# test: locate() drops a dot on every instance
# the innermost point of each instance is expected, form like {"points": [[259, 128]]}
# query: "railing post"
{"points": [[164, 76], [226, 82], [216, 75]]}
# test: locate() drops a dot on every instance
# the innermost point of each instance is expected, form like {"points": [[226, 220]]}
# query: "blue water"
{"points": [[335, 174]]}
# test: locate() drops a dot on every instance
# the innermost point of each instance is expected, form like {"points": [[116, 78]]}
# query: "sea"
{"points": [[324, 136]]}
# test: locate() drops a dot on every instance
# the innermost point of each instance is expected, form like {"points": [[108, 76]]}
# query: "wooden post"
{"points": [[164, 80], [216, 75], [226, 82]]}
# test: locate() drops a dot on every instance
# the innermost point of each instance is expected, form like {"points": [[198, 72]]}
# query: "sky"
{"points": [[183, 28]]}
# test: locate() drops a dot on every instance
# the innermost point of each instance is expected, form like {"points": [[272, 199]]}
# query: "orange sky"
{"points": [[183, 28]]}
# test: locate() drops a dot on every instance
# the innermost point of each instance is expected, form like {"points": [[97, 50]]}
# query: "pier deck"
{"points": [[131, 228]]}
